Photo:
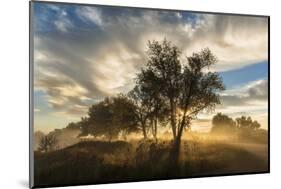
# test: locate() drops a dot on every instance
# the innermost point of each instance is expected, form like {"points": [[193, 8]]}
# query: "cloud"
{"points": [[252, 94], [259, 90], [50, 17], [90, 14], [93, 52], [63, 93], [237, 41], [63, 25], [250, 99]]}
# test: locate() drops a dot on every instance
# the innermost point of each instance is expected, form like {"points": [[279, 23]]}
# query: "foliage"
{"points": [[188, 88], [223, 124], [73, 125], [150, 107], [109, 117], [47, 143], [242, 128], [247, 123]]}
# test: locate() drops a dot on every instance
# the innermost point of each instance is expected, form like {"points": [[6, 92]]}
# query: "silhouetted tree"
{"points": [[247, 128], [47, 143], [86, 127], [243, 128], [151, 107], [187, 87], [256, 125], [109, 117], [223, 124], [247, 123], [124, 114], [143, 109]]}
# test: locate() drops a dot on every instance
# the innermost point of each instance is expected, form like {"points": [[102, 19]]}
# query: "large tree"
{"points": [[188, 87]]}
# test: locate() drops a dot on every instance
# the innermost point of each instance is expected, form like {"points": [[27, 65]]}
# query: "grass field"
{"points": [[102, 162]]}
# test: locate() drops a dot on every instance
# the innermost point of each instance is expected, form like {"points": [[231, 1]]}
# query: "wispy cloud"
{"points": [[90, 14], [87, 53], [253, 93], [250, 99]]}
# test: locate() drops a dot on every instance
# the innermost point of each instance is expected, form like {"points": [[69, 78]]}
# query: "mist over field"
{"points": [[101, 161]]}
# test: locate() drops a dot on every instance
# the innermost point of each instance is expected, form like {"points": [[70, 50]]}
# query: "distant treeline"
{"points": [[242, 129]]}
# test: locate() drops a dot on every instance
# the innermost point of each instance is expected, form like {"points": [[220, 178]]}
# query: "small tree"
{"points": [[248, 128], [256, 125], [148, 89], [247, 123], [47, 143], [150, 107], [143, 109], [222, 124]]}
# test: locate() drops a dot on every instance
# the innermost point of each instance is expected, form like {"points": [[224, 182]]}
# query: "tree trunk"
{"points": [[152, 127], [173, 121], [155, 129], [175, 152], [177, 143], [180, 130], [144, 131]]}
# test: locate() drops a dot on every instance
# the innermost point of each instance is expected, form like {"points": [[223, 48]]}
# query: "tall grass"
{"points": [[102, 162]]}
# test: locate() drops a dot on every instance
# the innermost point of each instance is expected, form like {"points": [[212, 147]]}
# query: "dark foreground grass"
{"points": [[102, 162]]}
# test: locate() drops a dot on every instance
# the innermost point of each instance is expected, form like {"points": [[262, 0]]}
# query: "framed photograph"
{"points": [[126, 94]]}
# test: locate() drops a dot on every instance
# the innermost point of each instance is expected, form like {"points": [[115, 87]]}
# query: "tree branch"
{"points": [[195, 111]]}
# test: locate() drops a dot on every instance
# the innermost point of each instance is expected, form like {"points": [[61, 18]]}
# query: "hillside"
{"points": [[102, 162]]}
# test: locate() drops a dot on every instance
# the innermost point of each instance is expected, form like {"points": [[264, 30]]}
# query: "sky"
{"points": [[85, 53]]}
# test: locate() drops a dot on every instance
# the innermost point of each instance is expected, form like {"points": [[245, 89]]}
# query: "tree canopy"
{"points": [[187, 87], [222, 124], [242, 128], [109, 117], [247, 123]]}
